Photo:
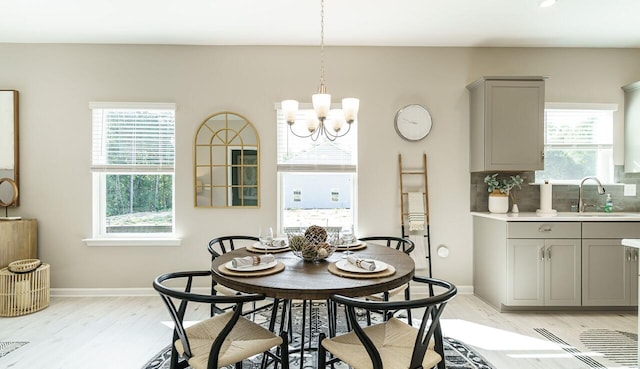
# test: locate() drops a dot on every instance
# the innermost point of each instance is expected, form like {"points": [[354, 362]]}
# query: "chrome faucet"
{"points": [[581, 199]]}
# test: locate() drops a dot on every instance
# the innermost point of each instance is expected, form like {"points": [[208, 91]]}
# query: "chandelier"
{"points": [[323, 120]]}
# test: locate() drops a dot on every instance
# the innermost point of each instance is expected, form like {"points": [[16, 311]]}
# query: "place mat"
{"points": [[271, 251], [362, 245], [333, 269], [258, 273]]}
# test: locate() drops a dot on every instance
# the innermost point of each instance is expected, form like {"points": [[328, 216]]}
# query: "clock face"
{"points": [[413, 122]]}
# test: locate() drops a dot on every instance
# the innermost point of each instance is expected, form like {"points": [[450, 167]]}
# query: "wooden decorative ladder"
{"points": [[404, 195]]}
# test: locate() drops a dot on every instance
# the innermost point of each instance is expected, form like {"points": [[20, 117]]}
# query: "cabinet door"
{"points": [[562, 272], [525, 272], [514, 125], [605, 280]]}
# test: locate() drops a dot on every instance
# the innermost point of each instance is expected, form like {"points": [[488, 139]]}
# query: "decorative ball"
{"points": [[316, 234], [296, 242]]}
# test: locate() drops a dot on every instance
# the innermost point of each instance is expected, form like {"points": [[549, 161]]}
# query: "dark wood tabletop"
{"points": [[312, 281]]}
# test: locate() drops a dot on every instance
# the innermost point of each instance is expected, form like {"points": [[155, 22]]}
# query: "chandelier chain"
{"points": [[322, 87]]}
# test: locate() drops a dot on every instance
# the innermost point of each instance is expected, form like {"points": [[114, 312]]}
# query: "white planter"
{"points": [[498, 203]]}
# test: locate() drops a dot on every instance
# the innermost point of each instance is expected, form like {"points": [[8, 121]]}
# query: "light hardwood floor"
{"points": [[124, 332]]}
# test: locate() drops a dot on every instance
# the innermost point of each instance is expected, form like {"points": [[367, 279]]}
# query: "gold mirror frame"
{"points": [[9, 151], [226, 156]]}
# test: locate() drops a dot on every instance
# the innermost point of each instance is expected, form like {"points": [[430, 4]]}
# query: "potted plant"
{"points": [[500, 190]]}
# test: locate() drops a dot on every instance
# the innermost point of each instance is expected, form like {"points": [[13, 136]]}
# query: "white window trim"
{"points": [[147, 239], [281, 169]]}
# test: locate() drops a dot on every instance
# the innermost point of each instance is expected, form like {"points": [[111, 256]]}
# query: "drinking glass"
{"points": [[265, 234], [348, 238]]}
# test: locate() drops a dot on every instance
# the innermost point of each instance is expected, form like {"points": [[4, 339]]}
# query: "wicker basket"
{"points": [[24, 292]]}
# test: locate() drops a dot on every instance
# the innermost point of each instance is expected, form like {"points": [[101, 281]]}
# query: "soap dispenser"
{"points": [[608, 205]]}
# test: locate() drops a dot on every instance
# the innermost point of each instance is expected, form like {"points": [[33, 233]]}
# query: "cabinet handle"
{"points": [[542, 254], [549, 253], [544, 228], [542, 155], [629, 252], [635, 255]]}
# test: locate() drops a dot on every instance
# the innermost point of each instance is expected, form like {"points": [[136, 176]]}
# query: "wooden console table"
{"points": [[18, 240]]}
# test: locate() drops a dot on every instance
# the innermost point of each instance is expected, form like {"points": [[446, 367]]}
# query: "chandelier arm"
{"points": [[301, 136], [331, 136]]}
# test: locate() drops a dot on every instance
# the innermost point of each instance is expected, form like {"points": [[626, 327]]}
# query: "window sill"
{"points": [[132, 241]]}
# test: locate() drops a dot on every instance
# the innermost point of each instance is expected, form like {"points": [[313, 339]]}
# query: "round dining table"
{"points": [[312, 280], [303, 280]]}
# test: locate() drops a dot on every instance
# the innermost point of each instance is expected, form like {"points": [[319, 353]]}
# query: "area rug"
{"points": [[457, 354], [615, 346], [7, 347]]}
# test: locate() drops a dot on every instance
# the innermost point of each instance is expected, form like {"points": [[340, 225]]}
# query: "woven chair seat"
{"points": [[246, 339], [394, 340]]}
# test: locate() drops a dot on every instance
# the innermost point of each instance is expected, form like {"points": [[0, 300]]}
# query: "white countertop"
{"points": [[631, 242], [561, 217]]}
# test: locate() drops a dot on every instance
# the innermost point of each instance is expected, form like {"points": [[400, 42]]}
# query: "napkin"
{"points": [[361, 263], [249, 261]]}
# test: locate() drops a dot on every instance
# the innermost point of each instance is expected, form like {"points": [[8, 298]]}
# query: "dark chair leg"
{"points": [[322, 356], [284, 354]]}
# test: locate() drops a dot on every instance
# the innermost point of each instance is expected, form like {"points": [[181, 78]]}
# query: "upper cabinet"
{"points": [[632, 127], [507, 124]]}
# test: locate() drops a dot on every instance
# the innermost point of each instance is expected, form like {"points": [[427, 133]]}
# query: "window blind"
{"points": [[303, 154], [578, 127], [127, 137]]}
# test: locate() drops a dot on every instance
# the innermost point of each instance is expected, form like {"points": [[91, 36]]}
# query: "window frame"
{"points": [[595, 146], [283, 169], [99, 194]]}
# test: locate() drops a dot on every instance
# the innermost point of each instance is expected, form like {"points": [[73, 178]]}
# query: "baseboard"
{"points": [[112, 292]]}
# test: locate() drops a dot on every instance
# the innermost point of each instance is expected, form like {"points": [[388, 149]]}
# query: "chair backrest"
{"points": [[433, 307], [183, 295], [226, 243], [403, 244]]}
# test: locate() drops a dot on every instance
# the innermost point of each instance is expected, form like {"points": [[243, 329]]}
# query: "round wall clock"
{"points": [[413, 122]]}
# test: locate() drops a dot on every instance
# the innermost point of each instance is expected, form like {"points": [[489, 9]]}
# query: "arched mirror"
{"points": [[9, 183], [227, 162]]}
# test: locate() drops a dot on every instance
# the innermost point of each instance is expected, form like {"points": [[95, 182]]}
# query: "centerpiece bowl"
{"points": [[314, 245]]}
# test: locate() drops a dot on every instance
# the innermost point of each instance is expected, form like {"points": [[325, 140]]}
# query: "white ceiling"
{"points": [[570, 23]]}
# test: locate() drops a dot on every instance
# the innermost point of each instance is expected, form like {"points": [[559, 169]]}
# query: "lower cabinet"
{"points": [[546, 264], [611, 273], [543, 272]]}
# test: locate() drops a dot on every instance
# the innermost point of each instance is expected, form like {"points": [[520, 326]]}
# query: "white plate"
{"points": [[348, 267], [251, 268], [258, 245]]}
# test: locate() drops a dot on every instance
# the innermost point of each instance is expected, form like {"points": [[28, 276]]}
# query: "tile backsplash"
{"points": [[564, 196]]}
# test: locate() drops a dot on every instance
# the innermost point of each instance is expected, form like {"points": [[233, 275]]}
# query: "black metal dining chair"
{"points": [[402, 244], [222, 340], [392, 343], [222, 245]]}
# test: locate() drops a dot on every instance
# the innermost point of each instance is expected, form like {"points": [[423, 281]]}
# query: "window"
{"points": [[316, 179], [133, 170], [578, 143]]}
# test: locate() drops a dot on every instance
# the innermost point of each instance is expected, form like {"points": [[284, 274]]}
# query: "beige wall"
{"points": [[56, 82]]}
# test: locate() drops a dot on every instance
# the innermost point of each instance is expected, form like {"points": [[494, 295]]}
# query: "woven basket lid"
{"points": [[24, 266]]}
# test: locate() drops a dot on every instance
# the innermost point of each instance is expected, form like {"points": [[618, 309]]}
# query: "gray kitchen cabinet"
{"points": [[610, 271], [632, 127], [507, 123], [543, 271], [533, 264]]}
